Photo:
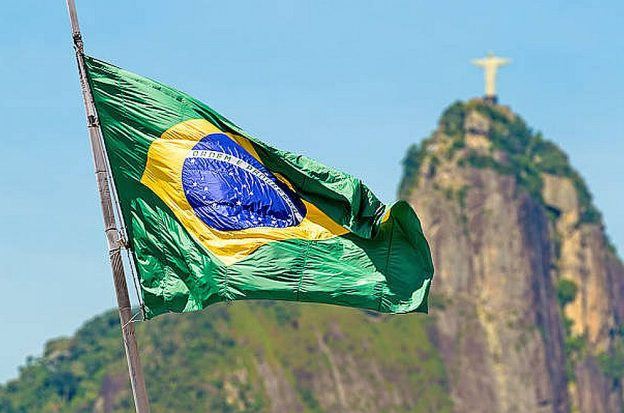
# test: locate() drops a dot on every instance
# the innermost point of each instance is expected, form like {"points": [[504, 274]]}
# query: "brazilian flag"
{"points": [[214, 214]]}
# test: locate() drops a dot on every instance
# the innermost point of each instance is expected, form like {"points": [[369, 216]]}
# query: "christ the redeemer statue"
{"points": [[490, 65]]}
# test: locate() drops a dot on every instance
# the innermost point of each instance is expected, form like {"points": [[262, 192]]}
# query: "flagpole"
{"points": [[113, 235]]}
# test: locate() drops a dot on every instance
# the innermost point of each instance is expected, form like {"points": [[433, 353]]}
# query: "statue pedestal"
{"points": [[493, 100]]}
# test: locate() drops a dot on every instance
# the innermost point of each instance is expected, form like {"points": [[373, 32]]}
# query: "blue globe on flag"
{"points": [[231, 190]]}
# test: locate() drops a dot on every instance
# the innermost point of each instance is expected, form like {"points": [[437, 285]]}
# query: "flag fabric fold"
{"points": [[214, 214]]}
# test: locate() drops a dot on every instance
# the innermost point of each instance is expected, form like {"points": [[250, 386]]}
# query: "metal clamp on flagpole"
{"points": [[113, 235]]}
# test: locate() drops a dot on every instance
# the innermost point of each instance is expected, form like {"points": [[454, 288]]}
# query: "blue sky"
{"points": [[349, 83]]}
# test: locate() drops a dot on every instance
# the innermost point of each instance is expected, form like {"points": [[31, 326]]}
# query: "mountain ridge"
{"points": [[242, 357]]}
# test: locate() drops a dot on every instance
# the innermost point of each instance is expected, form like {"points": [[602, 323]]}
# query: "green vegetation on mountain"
{"points": [[566, 291], [574, 346], [612, 362], [526, 154], [242, 357]]}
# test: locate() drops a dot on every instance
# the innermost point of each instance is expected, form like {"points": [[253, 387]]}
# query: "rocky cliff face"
{"points": [[529, 294]]}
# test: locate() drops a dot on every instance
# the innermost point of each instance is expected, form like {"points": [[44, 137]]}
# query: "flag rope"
{"points": [[133, 319]]}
